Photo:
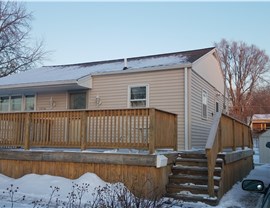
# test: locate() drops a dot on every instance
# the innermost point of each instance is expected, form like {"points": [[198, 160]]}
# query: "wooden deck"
{"points": [[226, 134], [147, 128]]}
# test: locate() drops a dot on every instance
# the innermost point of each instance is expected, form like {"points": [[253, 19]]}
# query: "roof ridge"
{"points": [[134, 58]]}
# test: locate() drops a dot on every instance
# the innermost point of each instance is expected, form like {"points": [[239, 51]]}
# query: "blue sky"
{"points": [[88, 31]]}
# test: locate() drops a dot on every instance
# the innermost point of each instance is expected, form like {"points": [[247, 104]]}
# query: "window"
{"points": [[4, 103], [204, 104], [217, 107], [29, 102], [16, 103], [138, 96], [77, 100]]}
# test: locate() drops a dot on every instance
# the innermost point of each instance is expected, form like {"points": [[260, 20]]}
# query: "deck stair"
{"points": [[189, 178]]}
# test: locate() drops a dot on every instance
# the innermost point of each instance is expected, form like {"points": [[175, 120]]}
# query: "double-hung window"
{"points": [[204, 104], [138, 96]]}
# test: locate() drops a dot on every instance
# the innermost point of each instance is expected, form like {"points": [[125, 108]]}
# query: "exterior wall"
{"points": [[209, 68], [199, 126], [51, 101], [166, 92], [138, 172], [263, 150]]}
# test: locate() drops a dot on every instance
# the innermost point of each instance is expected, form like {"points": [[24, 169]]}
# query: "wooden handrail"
{"points": [[211, 150], [142, 128], [225, 132]]}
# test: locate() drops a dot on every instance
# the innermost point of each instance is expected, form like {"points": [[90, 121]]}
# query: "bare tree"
{"points": [[244, 69], [260, 102], [16, 54]]}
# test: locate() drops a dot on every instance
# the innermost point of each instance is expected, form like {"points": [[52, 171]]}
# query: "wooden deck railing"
{"points": [[226, 133], [147, 128]]}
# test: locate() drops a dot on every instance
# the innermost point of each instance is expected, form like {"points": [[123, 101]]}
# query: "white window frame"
{"points": [[129, 94], [204, 103], [23, 102]]}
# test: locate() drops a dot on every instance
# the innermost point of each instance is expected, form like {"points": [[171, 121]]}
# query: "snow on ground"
{"points": [[35, 187]]}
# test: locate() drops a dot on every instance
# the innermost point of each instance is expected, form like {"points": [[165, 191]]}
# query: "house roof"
{"points": [[71, 74], [261, 117]]}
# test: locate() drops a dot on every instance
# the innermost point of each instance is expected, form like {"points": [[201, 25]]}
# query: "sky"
{"points": [[86, 31]]}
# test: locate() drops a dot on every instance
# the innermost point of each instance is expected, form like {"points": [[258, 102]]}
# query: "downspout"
{"points": [[186, 108]]}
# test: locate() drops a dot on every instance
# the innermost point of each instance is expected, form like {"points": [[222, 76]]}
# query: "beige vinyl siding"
{"points": [[166, 92], [200, 127], [209, 69], [52, 101]]}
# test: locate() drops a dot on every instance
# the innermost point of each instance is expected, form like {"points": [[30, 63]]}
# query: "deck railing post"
{"points": [[152, 131], [243, 136], [234, 136], [175, 133], [27, 131], [83, 129], [210, 163]]}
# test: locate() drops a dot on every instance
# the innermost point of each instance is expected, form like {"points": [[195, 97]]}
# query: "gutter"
{"points": [[186, 108], [146, 69]]}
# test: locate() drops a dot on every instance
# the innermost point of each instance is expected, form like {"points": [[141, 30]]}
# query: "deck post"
{"points": [[152, 132], [243, 137], [175, 136], [210, 165], [234, 136], [27, 132], [83, 129]]}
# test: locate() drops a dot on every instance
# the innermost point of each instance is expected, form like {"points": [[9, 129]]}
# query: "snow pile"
{"points": [[35, 187]]}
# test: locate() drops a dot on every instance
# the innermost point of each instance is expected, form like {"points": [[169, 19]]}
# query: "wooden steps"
{"points": [[189, 178]]}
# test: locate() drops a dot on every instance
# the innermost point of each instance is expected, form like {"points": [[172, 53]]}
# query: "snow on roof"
{"points": [[73, 72], [261, 117]]}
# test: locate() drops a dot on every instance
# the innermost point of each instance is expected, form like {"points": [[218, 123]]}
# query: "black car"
{"points": [[258, 186]]}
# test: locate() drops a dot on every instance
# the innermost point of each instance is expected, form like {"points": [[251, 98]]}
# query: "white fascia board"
{"points": [[147, 69], [38, 84], [85, 82]]}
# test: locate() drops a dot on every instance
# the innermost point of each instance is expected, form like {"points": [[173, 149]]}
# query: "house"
{"points": [[263, 150], [260, 123], [189, 84], [139, 105]]}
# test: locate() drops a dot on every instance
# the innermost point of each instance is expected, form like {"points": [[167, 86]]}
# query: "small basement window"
{"points": [[138, 96]]}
